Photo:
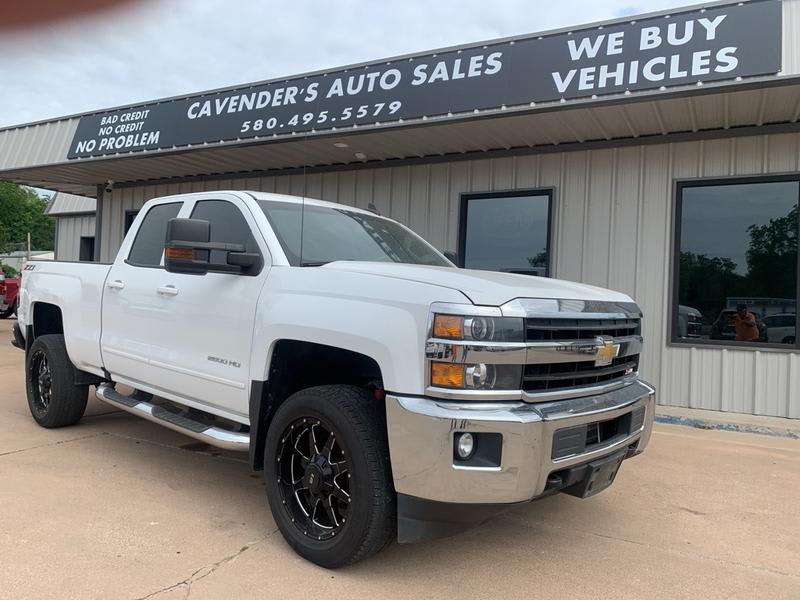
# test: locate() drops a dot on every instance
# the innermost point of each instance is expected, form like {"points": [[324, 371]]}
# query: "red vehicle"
{"points": [[9, 288]]}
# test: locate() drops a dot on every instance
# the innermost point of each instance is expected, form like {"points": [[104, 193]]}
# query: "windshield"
{"points": [[338, 234]]}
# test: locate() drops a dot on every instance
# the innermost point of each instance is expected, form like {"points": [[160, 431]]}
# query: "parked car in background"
{"points": [[9, 290], [689, 322], [781, 328], [724, 329]]}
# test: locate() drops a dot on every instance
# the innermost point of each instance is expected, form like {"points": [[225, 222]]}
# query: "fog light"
{"points": [[465, 446]]}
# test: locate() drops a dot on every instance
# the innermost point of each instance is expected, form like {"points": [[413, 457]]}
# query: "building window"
{"points": [[506, 231], [736, 264], [86, 252], [130, 216]]}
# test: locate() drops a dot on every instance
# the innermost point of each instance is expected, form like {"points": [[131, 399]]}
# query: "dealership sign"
{"points": [[724, 42]]}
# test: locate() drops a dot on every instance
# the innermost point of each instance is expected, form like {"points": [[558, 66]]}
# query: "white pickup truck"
{"points": [[385, 393]]}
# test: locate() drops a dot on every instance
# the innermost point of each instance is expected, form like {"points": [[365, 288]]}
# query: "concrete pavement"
{"points": [[116, 507]]}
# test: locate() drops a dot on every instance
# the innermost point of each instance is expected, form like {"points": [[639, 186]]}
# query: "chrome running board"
{"points": [[138, 404]]}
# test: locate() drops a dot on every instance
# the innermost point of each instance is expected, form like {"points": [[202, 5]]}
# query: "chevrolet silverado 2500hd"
{"points": [[385, 393]]}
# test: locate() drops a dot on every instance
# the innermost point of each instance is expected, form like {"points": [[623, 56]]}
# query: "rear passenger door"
{"points": [[136, 323]]}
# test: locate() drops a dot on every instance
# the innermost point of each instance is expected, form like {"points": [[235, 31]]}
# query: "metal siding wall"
{"points": [[613, 227], [791, 43], [70, 231]]}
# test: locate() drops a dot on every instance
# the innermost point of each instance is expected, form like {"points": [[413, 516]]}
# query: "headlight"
{"points": [[478, 329], [477, 376]]}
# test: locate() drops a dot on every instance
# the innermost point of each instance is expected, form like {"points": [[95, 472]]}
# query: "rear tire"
{"points": [[328, 477], [53, 398]]}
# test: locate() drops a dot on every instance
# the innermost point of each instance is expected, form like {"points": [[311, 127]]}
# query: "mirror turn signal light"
{"points": [[179, 253], [449, 375]]}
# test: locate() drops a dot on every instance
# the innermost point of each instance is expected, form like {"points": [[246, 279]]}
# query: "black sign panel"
{"points": [[683, 48]]}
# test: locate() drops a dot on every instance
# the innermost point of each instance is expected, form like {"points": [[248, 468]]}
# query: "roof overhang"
{"points": [[712, 110]]}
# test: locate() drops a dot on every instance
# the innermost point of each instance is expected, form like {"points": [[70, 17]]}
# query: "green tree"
{"points": [[706, 282], [772, 257], [22, 212]]}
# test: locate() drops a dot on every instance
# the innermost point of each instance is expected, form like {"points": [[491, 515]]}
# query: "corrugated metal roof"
{"points": [[69, 204]]}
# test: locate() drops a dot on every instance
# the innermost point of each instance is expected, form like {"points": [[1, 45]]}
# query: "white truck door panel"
{"points": [[188, 335], [133, 319]]}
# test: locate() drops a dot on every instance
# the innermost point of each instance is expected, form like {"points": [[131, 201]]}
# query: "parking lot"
{"points": [[117, 507]]}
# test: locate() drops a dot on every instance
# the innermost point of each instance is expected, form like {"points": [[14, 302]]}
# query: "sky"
{"points": [[160, 48]]}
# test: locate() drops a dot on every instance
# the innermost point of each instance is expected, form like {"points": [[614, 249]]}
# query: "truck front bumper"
{"points": [[543, 448]]}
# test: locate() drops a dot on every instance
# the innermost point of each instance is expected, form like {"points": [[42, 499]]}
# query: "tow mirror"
{"points": [[187, 249]]}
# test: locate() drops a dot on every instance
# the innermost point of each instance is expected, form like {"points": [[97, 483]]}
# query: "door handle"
{"points": [[167, 290], [116, 284]]}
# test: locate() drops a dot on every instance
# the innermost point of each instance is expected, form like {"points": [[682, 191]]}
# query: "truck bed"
{"points": [[76, 288]]}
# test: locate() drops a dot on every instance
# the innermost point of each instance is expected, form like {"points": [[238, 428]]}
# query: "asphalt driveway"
{"points": [[116, 507]]}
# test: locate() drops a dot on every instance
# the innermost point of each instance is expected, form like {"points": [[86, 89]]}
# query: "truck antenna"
{"points": [[303, 199]]}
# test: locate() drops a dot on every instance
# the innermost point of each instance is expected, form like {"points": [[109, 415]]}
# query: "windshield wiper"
{"points": [[313, 263]]}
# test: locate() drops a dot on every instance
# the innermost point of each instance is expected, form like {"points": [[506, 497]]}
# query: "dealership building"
{"points": [[658, 155]]}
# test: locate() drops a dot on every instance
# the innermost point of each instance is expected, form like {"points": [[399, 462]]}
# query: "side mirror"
{"points": [[451, 256], [187, 249]]}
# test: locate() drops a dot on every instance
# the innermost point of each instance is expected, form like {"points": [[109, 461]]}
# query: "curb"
{"points": [[722, 426]]}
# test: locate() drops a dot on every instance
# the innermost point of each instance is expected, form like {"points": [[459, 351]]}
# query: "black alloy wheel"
{"points": [[42, 379], [328, 477], [53, 397], [314, 478]]}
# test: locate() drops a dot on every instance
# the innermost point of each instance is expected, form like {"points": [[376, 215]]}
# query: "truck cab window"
{"points": [[148, 246], [228, 225]]}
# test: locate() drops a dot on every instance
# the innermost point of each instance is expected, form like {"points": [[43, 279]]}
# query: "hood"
{"points": [[482, 287]]}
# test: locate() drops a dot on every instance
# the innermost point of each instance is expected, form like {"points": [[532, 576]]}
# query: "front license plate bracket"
{"points": [[597, 475]]}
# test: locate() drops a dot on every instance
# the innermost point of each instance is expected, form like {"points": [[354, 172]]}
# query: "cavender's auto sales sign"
{"points": [[724, 42]]}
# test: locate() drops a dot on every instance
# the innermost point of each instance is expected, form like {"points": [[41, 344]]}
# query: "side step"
{"points": [[138, 404]]}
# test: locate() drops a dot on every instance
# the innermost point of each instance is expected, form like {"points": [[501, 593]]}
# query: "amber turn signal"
{"points": [[449, 375], [179, 253], [448, 326]]}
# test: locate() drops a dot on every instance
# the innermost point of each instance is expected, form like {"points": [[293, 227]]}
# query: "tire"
{"points": [[11, 310], [53, 398], [362, 501]]}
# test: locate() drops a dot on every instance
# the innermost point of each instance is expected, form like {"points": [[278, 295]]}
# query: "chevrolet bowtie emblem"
{"points": [[607, 351]]}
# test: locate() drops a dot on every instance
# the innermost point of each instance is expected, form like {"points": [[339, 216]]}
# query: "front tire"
{"points": [[53, 398], [328, 479]]}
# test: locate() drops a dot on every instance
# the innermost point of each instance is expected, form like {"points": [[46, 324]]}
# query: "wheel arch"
{"points": [[287, 373], [48, 319]]}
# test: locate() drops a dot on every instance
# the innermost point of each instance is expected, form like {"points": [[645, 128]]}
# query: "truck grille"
{"points": [[547, 377], [550, 330], [557, 376]]}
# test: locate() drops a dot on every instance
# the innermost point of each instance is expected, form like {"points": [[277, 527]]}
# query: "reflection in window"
{"points": [[507, 232], [737, 264]]}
